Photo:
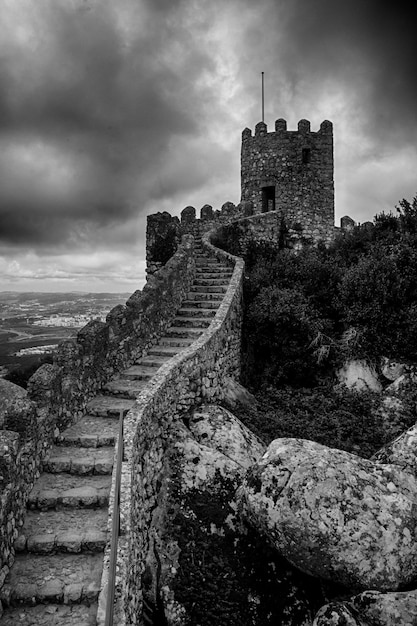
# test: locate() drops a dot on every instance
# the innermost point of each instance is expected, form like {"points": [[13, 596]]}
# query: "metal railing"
{"points": [[115, 533]]}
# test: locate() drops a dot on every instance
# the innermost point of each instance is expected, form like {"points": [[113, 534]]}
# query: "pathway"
{"points": [[56, 577]]}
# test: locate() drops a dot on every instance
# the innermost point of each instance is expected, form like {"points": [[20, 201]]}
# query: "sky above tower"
{"points": [[114, 109]]}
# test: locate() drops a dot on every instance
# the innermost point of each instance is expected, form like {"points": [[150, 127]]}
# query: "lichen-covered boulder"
{"points": [[401, 452], [216, 427], [335, 515], [197, 550], [371, 608]]}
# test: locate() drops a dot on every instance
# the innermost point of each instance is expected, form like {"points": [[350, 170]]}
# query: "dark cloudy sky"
{"points": [[114, 109]]}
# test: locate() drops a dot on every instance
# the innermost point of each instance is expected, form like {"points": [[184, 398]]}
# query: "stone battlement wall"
{"points": [[57, 394], [194, 376]]}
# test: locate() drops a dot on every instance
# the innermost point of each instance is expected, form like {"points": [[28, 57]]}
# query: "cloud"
{"points": [[114, 109]]}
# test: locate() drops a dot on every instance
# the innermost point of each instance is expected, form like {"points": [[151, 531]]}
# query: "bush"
{"points": [[335, 417], [280, 325]]}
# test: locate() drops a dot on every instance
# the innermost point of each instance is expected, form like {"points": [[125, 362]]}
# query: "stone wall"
{"points": [[161, 225], [194, 376], [82, 365], [57, 394], [291, 172], [24, 440]]}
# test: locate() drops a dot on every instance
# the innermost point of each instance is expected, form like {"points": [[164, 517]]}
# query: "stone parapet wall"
{"points": [[194, 376], [58, 394], [24, 440], [101, 349], [164, 231]]}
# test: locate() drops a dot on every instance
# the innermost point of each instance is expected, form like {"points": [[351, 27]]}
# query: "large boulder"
{"points": [[371, 608], [198, 550], [335, 515], [216, 427], [359, 375]]}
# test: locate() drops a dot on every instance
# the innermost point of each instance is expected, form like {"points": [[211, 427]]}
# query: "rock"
{"points": [[401, 452], [401, 383], [235, 394], [336, 614], [12, 396], [333, 514], [359, 375], [216, 427], [391, 369], [197, 549], [371, 608]]}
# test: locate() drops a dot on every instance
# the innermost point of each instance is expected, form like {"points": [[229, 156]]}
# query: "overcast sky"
{"points": [[114, 109]]}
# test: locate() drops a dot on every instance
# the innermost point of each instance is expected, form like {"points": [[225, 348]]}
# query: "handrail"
{"points": [[115, 533]]}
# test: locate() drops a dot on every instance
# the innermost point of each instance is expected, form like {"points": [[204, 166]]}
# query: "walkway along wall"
{"points": [[57, 394], [194, 376]]}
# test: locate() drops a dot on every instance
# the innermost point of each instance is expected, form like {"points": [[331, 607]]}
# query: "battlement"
{"points": [[304, 127]]}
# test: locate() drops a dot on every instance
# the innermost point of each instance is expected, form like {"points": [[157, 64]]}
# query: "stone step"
{"points": [[63, 530], [202, 295], [193, 322], [176, 342], [51, 615], [53, 491], [195, 311], [213, 267], [79, 461], [165, 350], [153, 360], [208, 288], [108, 406], [182, 332], [208, 274], [201, 304], [210, 282], [139, 372], [56, 578], [127, 387], [90, 432]]}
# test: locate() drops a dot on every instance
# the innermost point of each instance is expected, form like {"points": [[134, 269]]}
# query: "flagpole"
{"points": [[263, 99]]}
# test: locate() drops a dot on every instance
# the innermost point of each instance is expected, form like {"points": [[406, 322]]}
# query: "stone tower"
{"points": [[291, 172]]}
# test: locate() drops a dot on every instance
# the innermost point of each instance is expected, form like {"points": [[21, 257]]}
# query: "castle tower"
{"points": [[291, 172]]}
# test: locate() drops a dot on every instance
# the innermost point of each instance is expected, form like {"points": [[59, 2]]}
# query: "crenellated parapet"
{"points": [[164, 231]]}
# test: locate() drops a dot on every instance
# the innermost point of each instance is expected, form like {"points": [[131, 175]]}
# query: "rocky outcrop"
{"points": [[335, 515], [359, 375], [392, 370], [196, 543], [371, 608], [216, 427], [236, 394], [401, 452]]}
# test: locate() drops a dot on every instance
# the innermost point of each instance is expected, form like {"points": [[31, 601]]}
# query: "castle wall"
{"points": [[291, 172], [195, 375], [24, 440], [57, 394]]}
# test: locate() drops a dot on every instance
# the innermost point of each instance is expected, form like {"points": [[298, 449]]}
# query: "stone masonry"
{"points": [[291, 172]]}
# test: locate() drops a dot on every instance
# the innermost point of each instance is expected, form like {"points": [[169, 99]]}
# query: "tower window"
{"points": [[268, 199], [306, 155]]}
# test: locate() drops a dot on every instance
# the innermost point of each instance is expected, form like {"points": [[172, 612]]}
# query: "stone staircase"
{"points": [[59, 553]]}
